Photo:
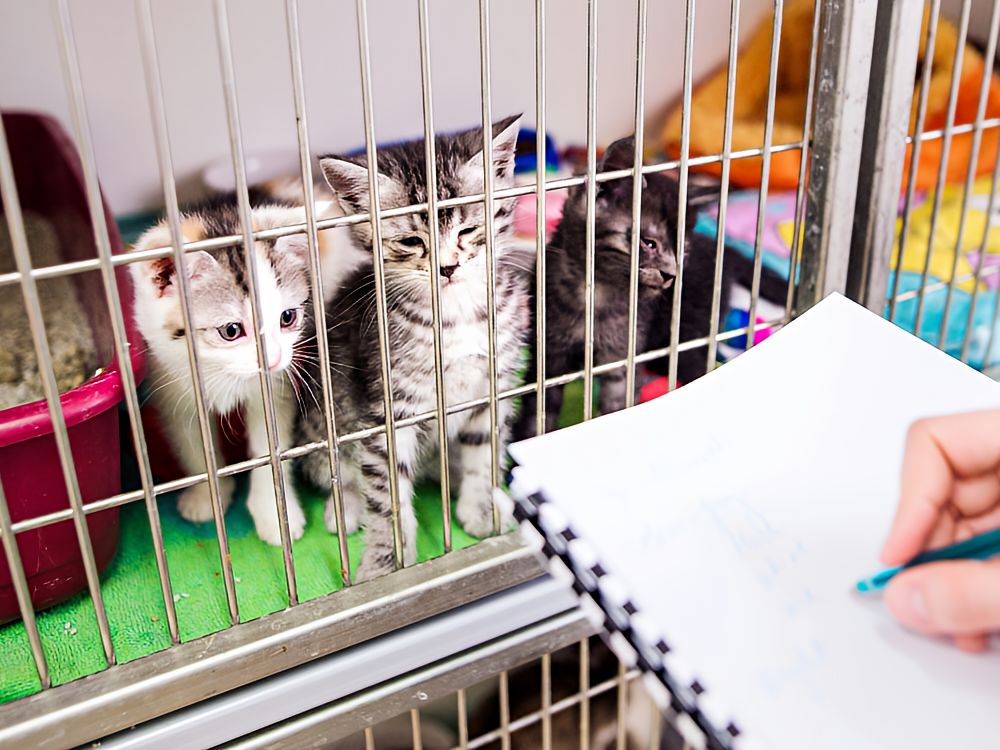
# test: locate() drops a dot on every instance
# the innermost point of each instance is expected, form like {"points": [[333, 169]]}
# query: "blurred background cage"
{"points": [[854, 147]]}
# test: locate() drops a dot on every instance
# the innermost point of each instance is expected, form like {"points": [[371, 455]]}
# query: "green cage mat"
{"points": [[131, 588]]}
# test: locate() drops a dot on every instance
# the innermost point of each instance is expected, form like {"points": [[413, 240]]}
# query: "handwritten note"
{"points": [[739, 511]]}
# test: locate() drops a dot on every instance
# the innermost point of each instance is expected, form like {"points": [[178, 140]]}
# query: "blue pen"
{"points": [[978, 547]]}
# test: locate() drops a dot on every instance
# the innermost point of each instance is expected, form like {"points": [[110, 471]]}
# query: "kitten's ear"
{"points": [[159, 274], [349, 182], [619, 155], [199, 265], [294, 245], [504, 142]]}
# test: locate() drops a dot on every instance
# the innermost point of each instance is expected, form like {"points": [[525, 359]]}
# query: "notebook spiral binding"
{"points": [[592, 582]]}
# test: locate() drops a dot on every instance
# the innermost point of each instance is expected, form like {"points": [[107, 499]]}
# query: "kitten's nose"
{"points": [[447, 271], [273, 356]]}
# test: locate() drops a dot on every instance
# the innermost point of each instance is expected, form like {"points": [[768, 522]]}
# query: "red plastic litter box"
{"points": [[50, 183]]}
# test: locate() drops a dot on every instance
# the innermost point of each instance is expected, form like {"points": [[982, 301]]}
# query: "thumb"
{"points": [[960, 597]]}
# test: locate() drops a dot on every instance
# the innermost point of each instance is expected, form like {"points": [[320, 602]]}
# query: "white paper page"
{"points": [[741, 509]]}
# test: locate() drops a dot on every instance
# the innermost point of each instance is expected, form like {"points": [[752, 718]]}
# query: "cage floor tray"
{"points": [[135, 605]]}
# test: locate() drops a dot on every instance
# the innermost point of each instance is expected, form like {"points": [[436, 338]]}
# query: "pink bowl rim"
{"points": [[94, 396]]}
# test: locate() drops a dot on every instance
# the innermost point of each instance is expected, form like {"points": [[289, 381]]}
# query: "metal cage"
{"points": [[346, 661]]}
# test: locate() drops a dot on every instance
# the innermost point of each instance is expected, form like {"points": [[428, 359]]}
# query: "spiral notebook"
{"points": [[716, 534]]}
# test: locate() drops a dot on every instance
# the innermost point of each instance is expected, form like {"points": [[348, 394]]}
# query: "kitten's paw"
{"points": [[195, 503], [374, 563], [353, 507], [475, 510], [263, 509]]}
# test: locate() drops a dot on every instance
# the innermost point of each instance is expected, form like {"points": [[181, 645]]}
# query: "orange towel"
{"points": [[750, 103]]}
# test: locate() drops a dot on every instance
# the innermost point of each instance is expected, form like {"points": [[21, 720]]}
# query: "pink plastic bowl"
{"points": [[50, 183]]}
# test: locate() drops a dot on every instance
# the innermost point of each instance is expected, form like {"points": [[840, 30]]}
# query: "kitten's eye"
{"points": [[466, 231], [414, 242], [288, 317], [649, 243], [231, 331]]}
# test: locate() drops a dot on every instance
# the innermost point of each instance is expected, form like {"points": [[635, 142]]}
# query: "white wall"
{"points": [[113, 77]]}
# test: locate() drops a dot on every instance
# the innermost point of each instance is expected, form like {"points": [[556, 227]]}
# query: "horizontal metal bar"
{"points": [[269, 704], [913, 293], [936, 135], [566, 703], [240, 467], [344, 718], [142, 690], [218, 243]]}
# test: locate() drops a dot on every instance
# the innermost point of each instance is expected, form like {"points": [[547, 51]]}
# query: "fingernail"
{"points": [[908, 604]]}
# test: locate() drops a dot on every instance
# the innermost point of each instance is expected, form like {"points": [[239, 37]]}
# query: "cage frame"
{"points": [[838, 254]]}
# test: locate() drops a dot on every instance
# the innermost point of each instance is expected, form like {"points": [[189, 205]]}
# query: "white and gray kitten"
{"points": [[221, 317], [353, 336]]}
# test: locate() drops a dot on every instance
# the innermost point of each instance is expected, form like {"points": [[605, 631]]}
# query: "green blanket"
{"points": [[131, 585], [134, 603]]}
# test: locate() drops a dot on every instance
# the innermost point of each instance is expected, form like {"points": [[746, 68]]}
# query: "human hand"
{"points": [[950, 491]]}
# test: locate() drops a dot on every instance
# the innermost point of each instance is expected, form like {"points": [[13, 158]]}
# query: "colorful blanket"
{"points": [[975, 246]]}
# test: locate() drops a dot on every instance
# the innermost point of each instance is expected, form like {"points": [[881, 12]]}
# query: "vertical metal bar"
{"points": [[970, 175], [369, 738], [727, 146], [991, 207], [361, 8], [765, 171], [540, 215], [949, 123], [915, 145], [656, 723], [803, 161], [588, 320], [682, 186], [249, 247], [463, 720], [980, 264], [102, 241], [996, 306], [316, 289], [430, 162], [154, 90], [29, 290], [584, 694], [504, 710], [621, 735], [418, 742], [16, 568], [546, 701], [848, 28], [637, 140], [894, 59], [491, 263]]}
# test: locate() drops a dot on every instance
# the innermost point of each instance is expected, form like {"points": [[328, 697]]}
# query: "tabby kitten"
{"points": [[353, 335], [220, 309]]}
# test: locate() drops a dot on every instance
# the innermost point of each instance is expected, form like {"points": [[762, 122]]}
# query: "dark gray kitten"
{"points": [[565, 280], [353, 335]]}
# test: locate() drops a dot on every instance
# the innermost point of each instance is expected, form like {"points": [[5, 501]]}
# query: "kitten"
{"points": [[353, 336], [220, 309], [565, 280]]}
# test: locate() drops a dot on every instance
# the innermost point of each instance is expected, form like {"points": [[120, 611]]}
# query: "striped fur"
{"points": [[354, 340]]}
